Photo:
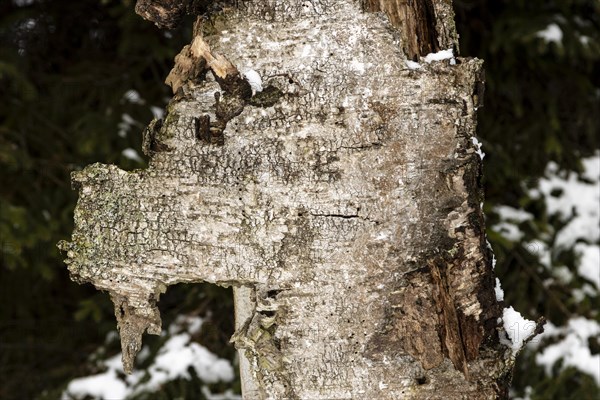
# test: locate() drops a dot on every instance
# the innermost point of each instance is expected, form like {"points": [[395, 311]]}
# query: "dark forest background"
{"points": [[67, 71]]}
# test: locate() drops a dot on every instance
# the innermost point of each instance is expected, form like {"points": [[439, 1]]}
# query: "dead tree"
{"points": [[315, 161]]}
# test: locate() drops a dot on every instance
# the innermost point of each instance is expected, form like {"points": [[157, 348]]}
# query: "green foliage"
{"points": [[539, 95], [65, 68], [541, 102]]}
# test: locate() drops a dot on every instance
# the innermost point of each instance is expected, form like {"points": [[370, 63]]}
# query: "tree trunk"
{"points": [[334, 187]]}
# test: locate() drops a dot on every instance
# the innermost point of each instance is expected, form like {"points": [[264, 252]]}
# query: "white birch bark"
{"points": [[343, 203]]}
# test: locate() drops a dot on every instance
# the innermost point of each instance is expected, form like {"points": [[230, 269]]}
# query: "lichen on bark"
{"points": [[344, 205]]}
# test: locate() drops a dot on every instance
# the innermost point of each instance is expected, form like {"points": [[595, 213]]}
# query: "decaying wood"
{"points": [[342, 202], [422, 24]]}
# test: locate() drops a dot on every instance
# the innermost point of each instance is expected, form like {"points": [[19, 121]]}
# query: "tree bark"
{"points": [[342, 201]]}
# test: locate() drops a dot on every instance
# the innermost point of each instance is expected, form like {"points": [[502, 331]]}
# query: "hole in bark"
{"points": [[267, 313], [421, 380]]}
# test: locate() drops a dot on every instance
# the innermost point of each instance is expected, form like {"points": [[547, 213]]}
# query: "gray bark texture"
{"points": [[342, 202]]}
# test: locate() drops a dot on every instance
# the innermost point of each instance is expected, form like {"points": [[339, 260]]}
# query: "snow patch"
{"points": [[573, 348], [254, 80], [133, 97], [509, 231], [439, 56], [412, 64], [478, 145], [517, 328], [589, 262], [552, 33], [574, 200], [157, 112], [125, 125], [101, 386], [131, 154], [499, 291], [173, 361], [507, 213]]}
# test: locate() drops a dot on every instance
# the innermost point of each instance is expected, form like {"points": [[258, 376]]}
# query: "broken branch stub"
{"points": [[347, 204]]}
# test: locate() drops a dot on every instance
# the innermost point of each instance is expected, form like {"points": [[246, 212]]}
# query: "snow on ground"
{"points": [[173, 361], [575, 199], [571, 348], [510, 218]]}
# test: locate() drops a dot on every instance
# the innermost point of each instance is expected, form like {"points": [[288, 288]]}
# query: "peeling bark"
{"points": [[342, 203]]}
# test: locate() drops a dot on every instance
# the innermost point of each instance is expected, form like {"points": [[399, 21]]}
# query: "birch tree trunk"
{"points": [[335, 188]]}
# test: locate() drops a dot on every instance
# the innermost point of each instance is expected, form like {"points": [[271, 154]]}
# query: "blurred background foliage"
{"points": [[80, 80]]}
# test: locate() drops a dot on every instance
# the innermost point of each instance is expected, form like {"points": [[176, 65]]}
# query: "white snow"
{"points": [[563, 274], [509, 231], [499, 291], [412, 64], [572, 348], [589, 262], [157, 112], [254, 80], [541, 251], [517, 328], [173, 361], [552, 33], [585, 40], [527, 395], [132, 154], [22, 3], [439, 56], [510, 218], [512, 214], [478, 145], [228, 395], [126, 123], [133, 96], [577, 199], [105, 386]]}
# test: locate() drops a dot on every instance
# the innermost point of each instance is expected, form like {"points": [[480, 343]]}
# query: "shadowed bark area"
{"points": [[422, 24], [344, 208]]}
